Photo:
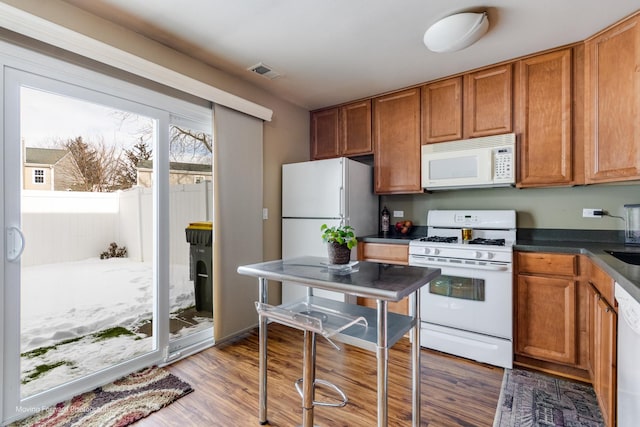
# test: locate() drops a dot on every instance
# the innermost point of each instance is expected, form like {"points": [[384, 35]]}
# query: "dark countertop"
{"points": [[593, 245]]}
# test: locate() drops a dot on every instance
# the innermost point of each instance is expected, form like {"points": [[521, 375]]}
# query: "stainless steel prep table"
{"points": [[382, 282]]}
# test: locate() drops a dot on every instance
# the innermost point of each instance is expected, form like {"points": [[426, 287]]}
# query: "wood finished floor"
{"points": [[455, 392]]}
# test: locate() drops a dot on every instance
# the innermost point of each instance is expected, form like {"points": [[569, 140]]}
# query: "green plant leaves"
{"points": [[341, 234]]}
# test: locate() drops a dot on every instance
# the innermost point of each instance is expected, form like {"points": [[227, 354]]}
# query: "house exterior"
{"points": [[179, 173], [48, 169]]}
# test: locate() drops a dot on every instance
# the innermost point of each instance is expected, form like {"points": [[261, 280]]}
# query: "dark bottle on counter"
{"points": [[384, 220]]}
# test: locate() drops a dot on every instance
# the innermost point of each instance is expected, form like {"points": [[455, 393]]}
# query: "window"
{"points": [[38, 176]]}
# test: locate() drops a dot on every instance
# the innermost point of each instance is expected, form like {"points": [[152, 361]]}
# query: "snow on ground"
{"points": [[73, 300]]}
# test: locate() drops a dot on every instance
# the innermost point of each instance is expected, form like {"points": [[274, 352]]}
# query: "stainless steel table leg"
{"points": [[415, 359], [308, 378], [262, 345], [382, 353]]}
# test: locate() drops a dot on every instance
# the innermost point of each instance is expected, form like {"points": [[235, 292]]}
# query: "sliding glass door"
{"points": [[99, 274]]}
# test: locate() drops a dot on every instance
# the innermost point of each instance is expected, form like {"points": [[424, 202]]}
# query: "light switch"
{"points": [[398, 214]]}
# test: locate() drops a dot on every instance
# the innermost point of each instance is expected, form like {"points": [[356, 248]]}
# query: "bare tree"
{"points": [[185, 145], [99, 166]]}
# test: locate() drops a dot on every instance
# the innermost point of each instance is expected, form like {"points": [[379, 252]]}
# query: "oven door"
{"points": [[470, 299]]}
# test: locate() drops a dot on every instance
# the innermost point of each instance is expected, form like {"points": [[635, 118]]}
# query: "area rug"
{"points": [[531, 399], [115, 405]]}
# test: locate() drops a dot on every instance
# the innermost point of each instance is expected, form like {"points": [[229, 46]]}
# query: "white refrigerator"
{"points": [[331, 191]]}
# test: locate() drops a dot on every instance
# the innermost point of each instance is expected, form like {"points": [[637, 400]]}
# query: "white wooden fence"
{"points": [[72, 226]]}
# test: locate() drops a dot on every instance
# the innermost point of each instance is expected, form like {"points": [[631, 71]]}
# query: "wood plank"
{"points": [[455, 391]]}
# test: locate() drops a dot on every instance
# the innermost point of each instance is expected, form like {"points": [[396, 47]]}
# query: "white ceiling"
{"points": [[333, 51]]}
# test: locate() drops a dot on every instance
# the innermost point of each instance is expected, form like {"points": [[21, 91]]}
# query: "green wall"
{"points": [[536, 207]]}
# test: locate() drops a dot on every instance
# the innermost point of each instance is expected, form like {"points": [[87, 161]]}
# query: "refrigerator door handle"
{"points": [[341, 204]]}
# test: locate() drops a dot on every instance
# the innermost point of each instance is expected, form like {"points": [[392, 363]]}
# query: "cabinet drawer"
{"points": [[381, 252], [547, 263]]}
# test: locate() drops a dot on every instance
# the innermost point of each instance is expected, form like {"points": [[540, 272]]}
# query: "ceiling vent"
{"points": [[264, 70]]}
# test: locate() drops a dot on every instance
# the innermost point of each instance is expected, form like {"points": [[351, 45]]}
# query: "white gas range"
{"points": [[467, 311]]}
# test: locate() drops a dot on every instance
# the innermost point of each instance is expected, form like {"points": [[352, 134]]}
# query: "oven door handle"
{"points": [[492, 267], [487, 267]]}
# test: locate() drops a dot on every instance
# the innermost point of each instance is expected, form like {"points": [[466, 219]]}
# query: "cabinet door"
{"points": [[324, 134], [488, 102], [442, 111], [604, 363], [612, 61], [546, 322], [545, 119], [396, 139], [355, 129]]}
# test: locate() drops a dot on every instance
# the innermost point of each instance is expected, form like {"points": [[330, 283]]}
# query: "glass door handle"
{"points": [[15, 243]]}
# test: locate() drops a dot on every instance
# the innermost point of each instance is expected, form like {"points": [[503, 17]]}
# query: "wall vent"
{"points": [[264, 70]]}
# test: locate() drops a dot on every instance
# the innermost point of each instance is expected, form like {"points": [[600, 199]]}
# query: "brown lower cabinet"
{"points": [[603, 322], [389, 254], [565, 321]]}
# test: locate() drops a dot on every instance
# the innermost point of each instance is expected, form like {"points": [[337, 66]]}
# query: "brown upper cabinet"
{"points": [[612, 61], [342, 131], [488, 101], [396, 139], [574, 109], [544, 119], [324, 133], [442, 111]]}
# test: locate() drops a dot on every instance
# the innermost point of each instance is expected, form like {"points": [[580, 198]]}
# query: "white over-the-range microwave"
{"points": [[470, 163]]}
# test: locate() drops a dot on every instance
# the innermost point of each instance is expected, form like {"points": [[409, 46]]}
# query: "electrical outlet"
{"points": [[398, 214], [591, 213], [265, 213]]}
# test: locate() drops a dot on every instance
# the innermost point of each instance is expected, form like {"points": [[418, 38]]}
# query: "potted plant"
{"points": [[340, 240]]}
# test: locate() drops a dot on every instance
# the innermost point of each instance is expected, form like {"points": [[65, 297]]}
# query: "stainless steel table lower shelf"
{"points": [[366, 338]]}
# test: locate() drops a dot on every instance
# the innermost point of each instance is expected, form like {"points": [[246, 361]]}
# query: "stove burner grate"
{"points": [[493, 242], [440, 239]]}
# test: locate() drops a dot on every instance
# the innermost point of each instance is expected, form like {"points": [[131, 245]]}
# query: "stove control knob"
{"points": [[435, 251], [490, 255], [477, 254], [426, 251]]}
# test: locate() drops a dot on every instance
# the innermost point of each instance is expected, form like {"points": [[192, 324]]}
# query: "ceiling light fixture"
{"points": [[456, 32]]}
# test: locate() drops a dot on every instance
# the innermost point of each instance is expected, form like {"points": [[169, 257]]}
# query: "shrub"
{"points": [[114, 252]]}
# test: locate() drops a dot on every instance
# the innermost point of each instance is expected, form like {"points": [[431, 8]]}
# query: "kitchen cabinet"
{"points": [[388, 254], [355, 129], [442, 111], [544, 119], [342, 131], [396, 140], [602, 341], [566, 321], [546, 294], [612, 61], [325, 134], [488, 101]]}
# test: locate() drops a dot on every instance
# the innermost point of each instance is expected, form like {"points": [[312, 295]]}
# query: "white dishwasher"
{"points": [[628, 358]]}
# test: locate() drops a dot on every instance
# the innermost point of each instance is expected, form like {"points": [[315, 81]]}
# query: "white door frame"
{"points": [[13, 63]]}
